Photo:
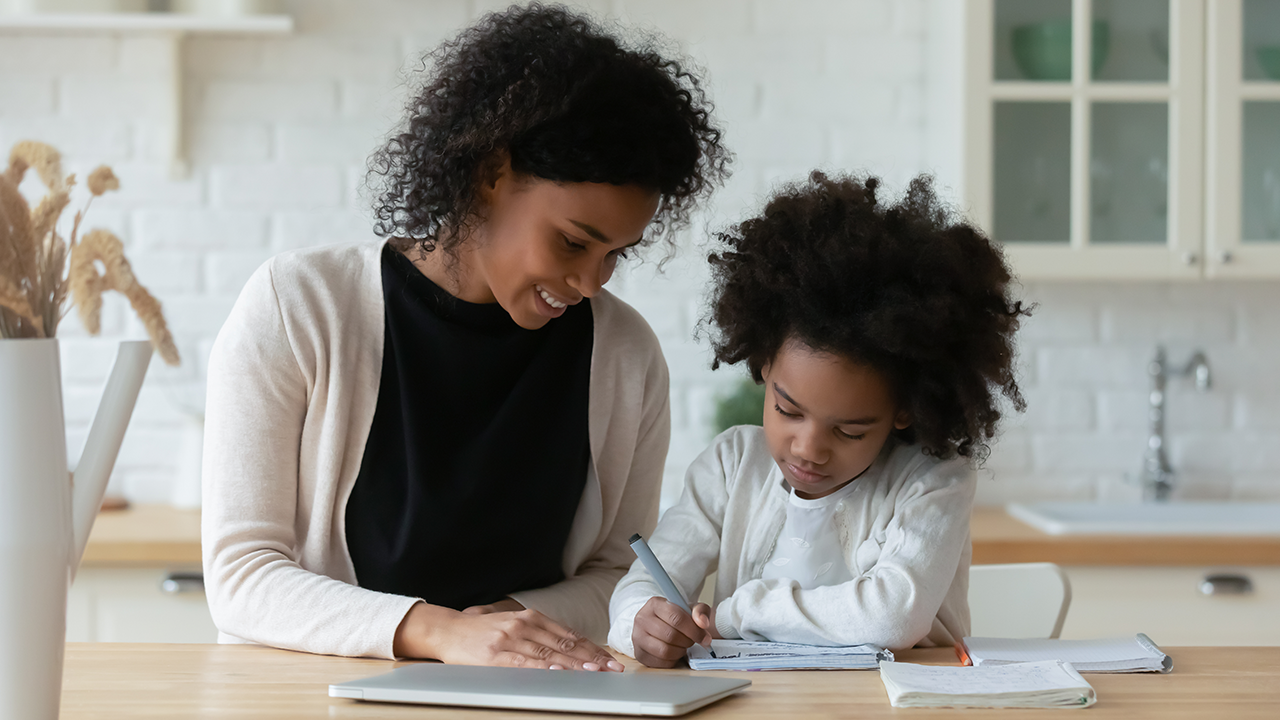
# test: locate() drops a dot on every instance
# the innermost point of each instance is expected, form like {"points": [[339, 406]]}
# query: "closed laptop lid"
{"points": [[630, 693]]}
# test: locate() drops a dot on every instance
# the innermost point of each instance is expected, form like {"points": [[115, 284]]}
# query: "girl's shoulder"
{"points": [[741, 456], [903, 466]]}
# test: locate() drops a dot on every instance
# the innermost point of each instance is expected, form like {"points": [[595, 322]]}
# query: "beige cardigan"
{"points": [[293, 383]]}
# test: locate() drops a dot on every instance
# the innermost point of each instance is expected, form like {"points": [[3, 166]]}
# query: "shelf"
{"points": [[174, 28], [150, 22]]}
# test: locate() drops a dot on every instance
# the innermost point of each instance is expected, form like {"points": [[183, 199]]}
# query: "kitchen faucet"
{"points": [[1157, 474]]}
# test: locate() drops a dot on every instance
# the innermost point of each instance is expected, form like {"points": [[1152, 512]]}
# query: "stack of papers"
{"points": [[1110, 655], [746, 655], [1049, 684]]}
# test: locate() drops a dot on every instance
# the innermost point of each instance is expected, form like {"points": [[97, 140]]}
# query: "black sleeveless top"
{"points": [[478, 452]]}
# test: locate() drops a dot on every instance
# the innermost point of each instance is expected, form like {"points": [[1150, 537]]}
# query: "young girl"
{"points": [[883, 336], [436, 445]]}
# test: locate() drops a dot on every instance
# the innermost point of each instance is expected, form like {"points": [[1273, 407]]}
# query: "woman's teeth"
{"points": [[550, 300]]}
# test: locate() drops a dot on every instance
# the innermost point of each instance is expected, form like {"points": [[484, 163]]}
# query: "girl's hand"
{"points": [[503, 605], [662, 632], [705, 616], [524, 638]]}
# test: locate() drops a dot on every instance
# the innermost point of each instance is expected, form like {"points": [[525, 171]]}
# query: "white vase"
{"points": [[45, 517]]}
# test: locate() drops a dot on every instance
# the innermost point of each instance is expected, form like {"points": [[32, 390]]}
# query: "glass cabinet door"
{"points": [[1087, 116], [1243, 195]]}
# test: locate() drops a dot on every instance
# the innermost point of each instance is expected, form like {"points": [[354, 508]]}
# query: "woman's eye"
{"points": [[784, 413], [619, 254], [573, 245]]}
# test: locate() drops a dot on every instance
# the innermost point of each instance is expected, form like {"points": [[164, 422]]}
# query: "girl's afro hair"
{"points": [[921, 297]]}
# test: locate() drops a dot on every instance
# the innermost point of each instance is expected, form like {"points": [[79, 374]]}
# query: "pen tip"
{"points": [[634, 538]]}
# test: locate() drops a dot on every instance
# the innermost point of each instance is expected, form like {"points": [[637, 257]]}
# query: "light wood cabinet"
{"points": [[1167, 604], [1125, 139], [150, 605]]}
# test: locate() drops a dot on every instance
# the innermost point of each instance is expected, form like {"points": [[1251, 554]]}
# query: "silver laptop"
{"points": [[628, 693]]}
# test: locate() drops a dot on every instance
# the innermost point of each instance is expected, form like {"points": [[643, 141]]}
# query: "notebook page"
{"points": [[1106, 650], [747, 648], [993, 680]]}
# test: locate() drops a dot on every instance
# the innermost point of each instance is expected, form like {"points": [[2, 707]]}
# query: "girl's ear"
{"points": [[902, 420]]}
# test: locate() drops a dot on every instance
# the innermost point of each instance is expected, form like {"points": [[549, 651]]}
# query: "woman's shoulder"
{"points": [[328, 266], [622, 332]]}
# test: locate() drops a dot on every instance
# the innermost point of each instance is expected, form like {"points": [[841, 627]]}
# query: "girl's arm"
{"points": [[686, 542], [892, 604]]}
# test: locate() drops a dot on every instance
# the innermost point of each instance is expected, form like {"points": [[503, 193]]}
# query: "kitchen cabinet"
{"points": [[152, 605], [1125, 139], [1167, 604]]}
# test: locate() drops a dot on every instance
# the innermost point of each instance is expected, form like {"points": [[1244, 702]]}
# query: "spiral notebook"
{"points": [[748, 655], [1047, 684], [1108, 655]]}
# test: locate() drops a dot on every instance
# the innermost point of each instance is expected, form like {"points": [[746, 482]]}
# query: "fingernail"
{"points": [[557, 667], [616, 666], [590, 666]]}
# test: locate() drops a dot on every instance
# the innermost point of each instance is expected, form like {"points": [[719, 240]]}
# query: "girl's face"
{"points": [[543, 245], [825, 418]]}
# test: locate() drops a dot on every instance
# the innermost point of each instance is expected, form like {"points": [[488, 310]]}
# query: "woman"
{"points": [[437, 446]]}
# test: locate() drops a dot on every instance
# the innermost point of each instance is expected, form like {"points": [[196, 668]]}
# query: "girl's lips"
{"points": [[805, 475]]}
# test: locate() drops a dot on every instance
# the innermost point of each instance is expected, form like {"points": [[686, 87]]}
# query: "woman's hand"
{"points": [[662, 632], [524, 638], [503, 605], [705, 616]]}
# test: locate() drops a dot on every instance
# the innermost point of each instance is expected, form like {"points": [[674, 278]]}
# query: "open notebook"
{"points": [[1047, 684], [747, 655], [1110, 655]]}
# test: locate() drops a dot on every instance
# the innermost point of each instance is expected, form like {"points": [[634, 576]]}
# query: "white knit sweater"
{"points": [[904, 529], [293, 384]]}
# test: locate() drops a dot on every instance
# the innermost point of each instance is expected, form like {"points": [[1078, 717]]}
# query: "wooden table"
{"points": [[118, 681]]}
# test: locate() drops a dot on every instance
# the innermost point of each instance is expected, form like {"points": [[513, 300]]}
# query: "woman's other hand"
{"points": [[523, 638], [662, 632]]}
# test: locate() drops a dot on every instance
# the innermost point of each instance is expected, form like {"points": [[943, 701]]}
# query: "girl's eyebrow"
{"points": [[857, 421]]}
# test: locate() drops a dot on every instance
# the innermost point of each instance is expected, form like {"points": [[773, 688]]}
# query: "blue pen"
{"points": [[659, 573]]}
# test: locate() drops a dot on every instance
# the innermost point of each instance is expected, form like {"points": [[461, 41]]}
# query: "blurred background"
{"points": [[1139, 201]]}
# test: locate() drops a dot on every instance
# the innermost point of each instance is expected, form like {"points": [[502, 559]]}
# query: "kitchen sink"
{"points": [[1152, 518]]}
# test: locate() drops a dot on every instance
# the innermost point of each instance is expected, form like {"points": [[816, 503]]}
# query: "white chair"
{"points": [[1018, 600]]}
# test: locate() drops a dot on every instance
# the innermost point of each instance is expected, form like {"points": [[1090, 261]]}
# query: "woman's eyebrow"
{"points": [[601, 237], [857, 421]]}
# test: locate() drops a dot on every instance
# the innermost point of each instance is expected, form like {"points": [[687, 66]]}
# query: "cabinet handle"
{"points": [[179, 583], [1225, 257], [1190, 258], [1226, 584]]}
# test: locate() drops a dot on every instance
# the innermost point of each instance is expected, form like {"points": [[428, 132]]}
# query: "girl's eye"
{"points": [[784, 413], [847, 436]]}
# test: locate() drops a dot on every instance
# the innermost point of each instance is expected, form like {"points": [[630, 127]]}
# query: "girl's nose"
{"points": [[807, 445]]}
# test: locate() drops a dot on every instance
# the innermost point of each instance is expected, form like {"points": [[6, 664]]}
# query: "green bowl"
{"points": [[1269, 59], [1043, 50]]}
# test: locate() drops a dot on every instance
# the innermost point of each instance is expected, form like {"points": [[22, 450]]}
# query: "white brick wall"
{"points": [[278, 131]]}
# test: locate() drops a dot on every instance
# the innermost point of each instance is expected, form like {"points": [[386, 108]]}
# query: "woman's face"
{"points": [[825, 418], [543, 245]]}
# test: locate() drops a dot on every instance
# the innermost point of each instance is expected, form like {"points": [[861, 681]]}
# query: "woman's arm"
{"points": [[894, 603], [259, 393]]}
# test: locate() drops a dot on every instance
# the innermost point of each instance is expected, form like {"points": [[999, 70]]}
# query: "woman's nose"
{"points": [[588, 278]]}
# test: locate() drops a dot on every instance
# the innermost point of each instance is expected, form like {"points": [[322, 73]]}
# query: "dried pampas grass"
{"points": [[38, 267]]}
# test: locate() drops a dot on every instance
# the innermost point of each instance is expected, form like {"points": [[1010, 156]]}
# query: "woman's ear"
{"points": [[493, 171]]}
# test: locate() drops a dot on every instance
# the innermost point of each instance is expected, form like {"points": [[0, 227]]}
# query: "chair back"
{"points": [[1018, 600]]}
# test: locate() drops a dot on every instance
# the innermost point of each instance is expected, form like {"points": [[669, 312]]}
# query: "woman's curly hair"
{"points": [[565, 102], [905, 288]]}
